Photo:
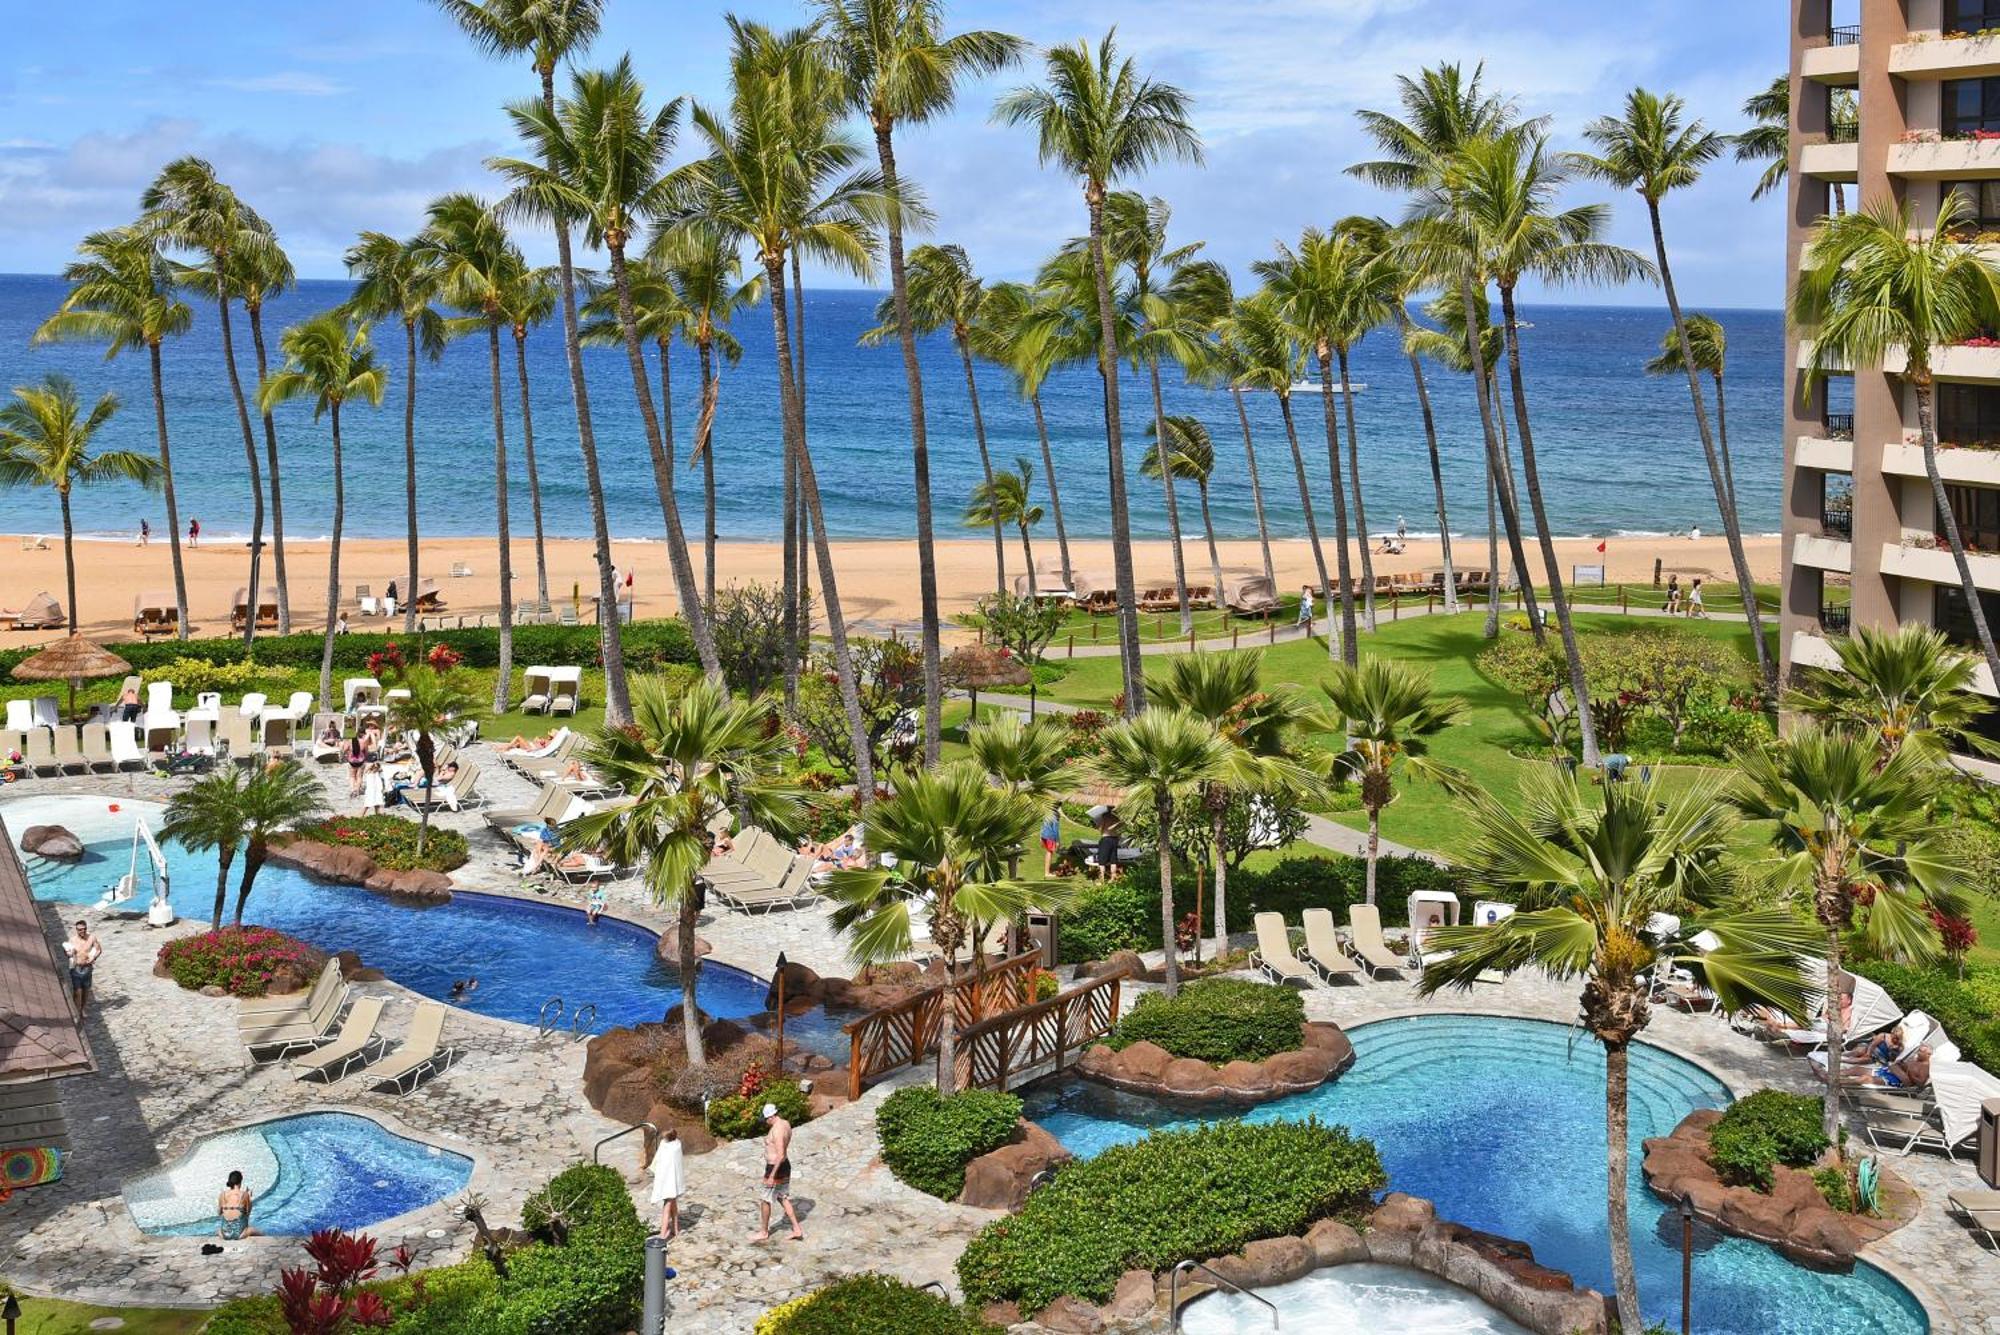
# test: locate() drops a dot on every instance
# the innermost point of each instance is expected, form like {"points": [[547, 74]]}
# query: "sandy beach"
{"points": [[878, 579]]}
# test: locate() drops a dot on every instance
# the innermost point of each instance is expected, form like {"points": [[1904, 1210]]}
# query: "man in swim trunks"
{"points": [[232, 1208], [777, 1184], [83, 949]]}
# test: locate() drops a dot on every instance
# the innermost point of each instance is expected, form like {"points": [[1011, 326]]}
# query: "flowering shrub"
{"points": [[443, 658], [386, 661], [753, 1081], [1957, 935], [391, 841], [239, 960], [739, 1117]]}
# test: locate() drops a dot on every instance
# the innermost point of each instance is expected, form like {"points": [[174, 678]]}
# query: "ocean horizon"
{"points": [[1618, 449]]}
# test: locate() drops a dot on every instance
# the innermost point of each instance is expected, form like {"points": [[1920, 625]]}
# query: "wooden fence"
{"points": [[905, 1033], [1017, 1042]]}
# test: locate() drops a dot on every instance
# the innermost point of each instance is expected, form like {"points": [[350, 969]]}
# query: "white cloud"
{"points": [[296, 83]]}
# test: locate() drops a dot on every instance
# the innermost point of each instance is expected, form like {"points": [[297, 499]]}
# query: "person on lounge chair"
{"points": [[543, 854], [530, 745], [1911, 1072]]}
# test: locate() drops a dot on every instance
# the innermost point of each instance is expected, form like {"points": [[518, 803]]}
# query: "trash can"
{"points": [[1041, 934], [1989, 1142]]}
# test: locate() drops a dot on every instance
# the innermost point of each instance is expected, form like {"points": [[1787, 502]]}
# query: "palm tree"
{"points": [[122, 294], [529, 300], [689, 757], [1163, 757], [1230, 363], [1272, 358], [1028, 758], [604, 158], [1006, 500], [1387, 711], [1708, 346], [1848, 820], [1098, 119], [550, 32], [1370, 298], [260, 273], [944, 293], [398, 280], [898, 66], [1652, 150], [430, 702], [1869, 288], [466, 245], [327, 359], [1591, 871], [1910, 687], [275, 800], [45, 442], [1769, 139], [760, 181], [1190, 451], [950, 834], [209, 814], [189, 208], [1016, 330]]}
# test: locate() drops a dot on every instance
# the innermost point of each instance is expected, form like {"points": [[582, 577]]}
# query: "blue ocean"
{"points": [[1617, 448]]}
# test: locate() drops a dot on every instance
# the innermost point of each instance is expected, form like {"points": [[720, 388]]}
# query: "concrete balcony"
{"points": [[1810, 650], [1938, 58], [1832, 456], [1817, 553], [1956, 363], [1949, 160], [1833, 162], [1937, 567], [1839, 66], [1977, 467]]}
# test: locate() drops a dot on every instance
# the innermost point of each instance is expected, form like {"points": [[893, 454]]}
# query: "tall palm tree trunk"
{"points": [[69, 566], [1055, 497], [689, 962], [256, 310], [711, 389], [659, 443], [1173, 506], [534, 469], [947, 1073], [1349, 650], [1531, 475], [503, 677], [173, 504], [1306, 507], [1360, 511], [1028, 555], [1836, 1037], [795, 429], [249, 457], [221, 888], [789, 583], [1722, 437], [1920, 376], [1374, 841], [1208, 531], [920, 457], [332, 566], [1437, 466], [1617, 1153], [985, 460], [617, 693], [1164, 810], [1492, 554], [1256, 490], [1498, 461], [410, 480], [1218, 819], [1725, 500], [805, 557], [1132, 670]]}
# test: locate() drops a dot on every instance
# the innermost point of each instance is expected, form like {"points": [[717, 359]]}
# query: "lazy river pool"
{"points": [[522, 951], [1501, 1123]]}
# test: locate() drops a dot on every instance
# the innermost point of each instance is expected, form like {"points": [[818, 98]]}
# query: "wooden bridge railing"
{"points": [[1017, 1042], [905, 1033]]}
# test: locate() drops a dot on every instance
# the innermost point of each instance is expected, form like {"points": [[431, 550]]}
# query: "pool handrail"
{"points": [[1174, 1291], [576, 1020], [596, 1149], [544, 1026]]}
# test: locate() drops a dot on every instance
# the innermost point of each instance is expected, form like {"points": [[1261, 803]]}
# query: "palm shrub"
{"points": [[1906, 687], [1388, 710], [928, 1138], [431, 701]]}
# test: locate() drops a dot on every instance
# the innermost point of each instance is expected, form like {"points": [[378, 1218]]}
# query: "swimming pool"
{"points": [[1501, 1123], [1378, 1299], [521, 951], [317, 1170]]}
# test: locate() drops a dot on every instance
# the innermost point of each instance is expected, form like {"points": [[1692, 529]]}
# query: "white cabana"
{"points": [[565, 689], [277, 729], [1960, 1088], [1488, 912], [360, 693], [535, 689], [1430, 909]]}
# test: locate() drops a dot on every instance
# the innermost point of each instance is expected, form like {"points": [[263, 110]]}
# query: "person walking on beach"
{"points": [[1694, 532], [1306, 607], [232, 1209], [668, 1182], [1402, 530], [777, 1184], [194, 532], [145, 531], [1694, 600], [1673, 595]]}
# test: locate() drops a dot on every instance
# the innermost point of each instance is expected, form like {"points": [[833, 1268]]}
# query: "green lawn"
{"points": [[53, 1316]]}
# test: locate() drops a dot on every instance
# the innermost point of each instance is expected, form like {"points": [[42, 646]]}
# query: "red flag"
{"points": [[1600, 549]]}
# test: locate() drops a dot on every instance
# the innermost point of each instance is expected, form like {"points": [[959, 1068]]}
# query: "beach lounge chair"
{"points": [[429, 598], [592, 868], [461, 570], [12, 742], [69, 751], [20, 716], [1323, 954], [97, 747], [154, 614], [355, 1045], [323, 752], [252, 705], [542, 768], [461, 794], [261, 1012], [41, 612], [239, 608], [552, 803], [160, 718], [548, 750], [236, 734], [277, 730], [565, 688], [1365, 943], [198, 736], [39, 753], [793, 889], [420, 1054], [286, 1031], [1904, 1122], [126, 753], [1273, 954], [1978, 1209], [535, 685], [1159, 598]]}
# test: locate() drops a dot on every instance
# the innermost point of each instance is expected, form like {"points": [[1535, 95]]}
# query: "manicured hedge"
{"points": [[1174, 1195], [391, 841], [928, 1138], [738, 1117], [1125, 914], [870, 1303], [1217, 1020], [1765, 1129], [1959, 1007]]}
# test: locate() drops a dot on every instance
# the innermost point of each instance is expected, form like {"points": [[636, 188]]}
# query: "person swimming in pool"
{"points": [[232, 1209]]}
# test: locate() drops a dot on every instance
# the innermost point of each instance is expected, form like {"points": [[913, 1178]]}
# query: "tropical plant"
{"points": [[45, 437], [1014, 331], [1267, 355], [1850, 828], [1388, 710], [688, 758], [1189, 455], [121, 293], [1592, 868], [275, 800], [1708, 352], [327, 359], [1098, 119], [1005, 498], [430, 701], [1910, 687], [1159, 759], [950, 833], [1769, 139], [207, 815], [529, 299], [1650, 148], [260, 273], [1874, 283], [398, 280]]}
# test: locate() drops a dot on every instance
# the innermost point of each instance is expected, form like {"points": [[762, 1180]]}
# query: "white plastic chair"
{"points": [[20, 716], [368, 607], [252, 706], [200, 736], [125, 750], [300, 705]]}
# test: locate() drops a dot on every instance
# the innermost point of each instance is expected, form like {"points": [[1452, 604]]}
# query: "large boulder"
{"points": [[1335, 1243], [1134, 1296], [668, 949], [329, 862], [1125, 962], [51, 842], [1145, 1068], [1072, 1316], [999, 1179], [414, 886]]}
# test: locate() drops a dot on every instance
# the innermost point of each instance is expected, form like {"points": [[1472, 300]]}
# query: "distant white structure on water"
{"points": [[1314, 387]]}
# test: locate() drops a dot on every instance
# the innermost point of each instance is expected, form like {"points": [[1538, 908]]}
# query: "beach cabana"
{"points": [[277, 729], [155, 613], [536, 693], [74, 660], [429, 598], [1249, 595], [1430, 910], [359, 693], [267, 609], [1095, 591], [1490, 912], [565, 689], [41, 612]]}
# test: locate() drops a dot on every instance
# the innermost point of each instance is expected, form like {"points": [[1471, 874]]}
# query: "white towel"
{"points": [[668, 1180]]}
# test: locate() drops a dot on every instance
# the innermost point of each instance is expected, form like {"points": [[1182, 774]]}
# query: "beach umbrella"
{"points": [[979, 667], [74, 660]]}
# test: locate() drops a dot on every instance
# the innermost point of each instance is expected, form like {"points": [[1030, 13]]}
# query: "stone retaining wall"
{"points": [[1145, 1068]]}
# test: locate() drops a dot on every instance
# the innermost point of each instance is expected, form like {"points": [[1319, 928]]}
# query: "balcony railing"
{"points": [[1840, 426], [1834, 620], [1848, 36], [1843, 132], [1837, 521]]}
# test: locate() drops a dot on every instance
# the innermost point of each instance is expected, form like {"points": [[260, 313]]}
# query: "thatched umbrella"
{"points": [[978, 667], [72, 660]]}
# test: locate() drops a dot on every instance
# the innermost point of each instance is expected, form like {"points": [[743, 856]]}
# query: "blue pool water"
{"points": [[521, 951], [1501, 1123], [318, 1170]]}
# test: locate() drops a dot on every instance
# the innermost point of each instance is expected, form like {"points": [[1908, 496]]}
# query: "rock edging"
{"points": [[999, 1179], [1792, 1218], [1146, 1068], [351, 866]]}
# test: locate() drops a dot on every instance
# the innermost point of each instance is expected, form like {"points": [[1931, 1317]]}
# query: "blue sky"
{"points": [[332, 118]]}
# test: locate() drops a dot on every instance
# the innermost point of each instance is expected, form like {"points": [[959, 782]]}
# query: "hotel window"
{"points": [[1977, 510], [1971, 104], [1949, 614], [1968, 414], [1980, 211], [1971, 15]]}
